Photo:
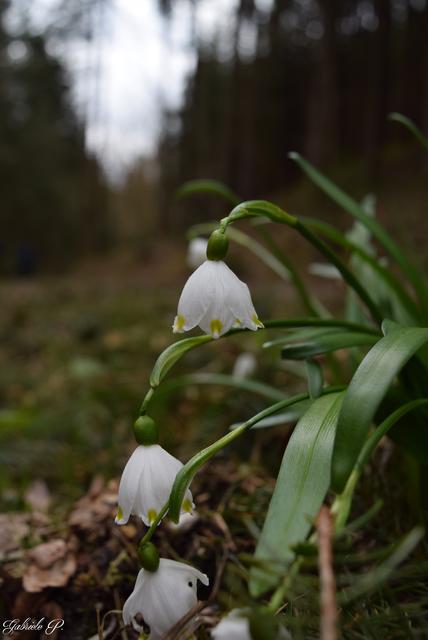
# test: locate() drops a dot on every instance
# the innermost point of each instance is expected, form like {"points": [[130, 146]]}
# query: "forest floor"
{"points": [[75, 355]]}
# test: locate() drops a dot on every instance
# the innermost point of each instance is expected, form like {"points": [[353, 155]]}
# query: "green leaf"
{"points": [[357, 211], [326, 343], [285, 417], [398, 117], [213, 187], [302, 484], [390, 281], [172, 354], [315, 377], [365, 393]]}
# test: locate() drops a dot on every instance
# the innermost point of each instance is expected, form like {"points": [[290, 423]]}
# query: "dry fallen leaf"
{"points": [[51, 565], [13, 528], [97, 506]]}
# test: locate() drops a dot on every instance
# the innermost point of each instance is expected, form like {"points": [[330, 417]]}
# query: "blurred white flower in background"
{"points": [[245, 365], [234, 626], [197, 252]]}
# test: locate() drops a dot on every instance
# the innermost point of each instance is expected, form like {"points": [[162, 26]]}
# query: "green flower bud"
{"points": [[146, 431], [263, 625], [217, 245], [148, 556]]}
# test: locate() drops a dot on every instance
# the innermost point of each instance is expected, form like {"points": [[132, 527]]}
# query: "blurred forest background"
{"points": [[315, 76]]}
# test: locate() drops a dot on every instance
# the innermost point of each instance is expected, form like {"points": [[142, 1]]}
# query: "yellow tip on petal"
{"points": [[119, 513], [257, 322], [179, 324], [151, 515], [187, 506], [216, 327]]}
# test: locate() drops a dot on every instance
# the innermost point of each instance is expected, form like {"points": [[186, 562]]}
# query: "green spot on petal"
{"points": [[180, 323], [119, 513], [187, 506], [216, 327], [257, 321], [151, 515]]}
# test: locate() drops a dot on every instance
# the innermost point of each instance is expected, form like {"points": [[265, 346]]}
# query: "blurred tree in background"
{"points": [[53, 193], [316, 76]]}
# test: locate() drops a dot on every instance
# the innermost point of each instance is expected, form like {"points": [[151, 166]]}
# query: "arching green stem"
{"points": [[268, 210]]}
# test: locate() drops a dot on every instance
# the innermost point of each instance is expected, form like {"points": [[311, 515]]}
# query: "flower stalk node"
{"points": [[146, 431], [217, 245], [148, 556]]}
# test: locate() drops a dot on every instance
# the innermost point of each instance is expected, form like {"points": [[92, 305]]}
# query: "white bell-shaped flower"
{"points": [[164, 596], [146, 484], [234, 626], [215, 299]]}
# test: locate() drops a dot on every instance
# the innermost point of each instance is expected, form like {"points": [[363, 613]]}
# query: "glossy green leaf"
{"points": [[398, 117], [213, 187], [326, 343], [365, 393], [172, 354], [315, 376], [302, 484], [357, 211]]}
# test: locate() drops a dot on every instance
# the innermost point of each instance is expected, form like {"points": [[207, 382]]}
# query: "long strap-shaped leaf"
{"points": [[366, 392], [302, 484], [357, 211]]}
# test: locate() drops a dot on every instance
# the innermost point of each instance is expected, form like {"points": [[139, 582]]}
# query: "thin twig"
{"points": [[328, 604]]}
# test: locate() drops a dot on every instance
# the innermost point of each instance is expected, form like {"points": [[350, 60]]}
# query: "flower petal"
{"points": [[132, 605], [129, 484], [195, 298], [156, 482]]}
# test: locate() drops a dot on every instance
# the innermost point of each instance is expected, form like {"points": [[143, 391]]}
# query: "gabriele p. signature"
{"points": [[31, 624]]}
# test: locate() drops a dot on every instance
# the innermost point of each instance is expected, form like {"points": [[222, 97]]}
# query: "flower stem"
{"points": [[150, 531]]}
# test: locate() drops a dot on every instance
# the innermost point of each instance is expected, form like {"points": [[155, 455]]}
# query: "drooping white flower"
{"points": [[146, 484], [245, 365], [164, 596], [215, 299], [197, 252], [234, 626]]}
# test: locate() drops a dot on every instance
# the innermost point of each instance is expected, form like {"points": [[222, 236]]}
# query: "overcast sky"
{"points": [[137, 63]]}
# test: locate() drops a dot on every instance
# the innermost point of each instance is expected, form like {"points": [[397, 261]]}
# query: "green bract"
{"points": [[146, 431], [148, 556], [217, 245]]}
